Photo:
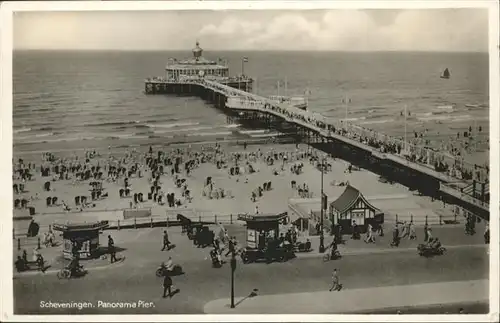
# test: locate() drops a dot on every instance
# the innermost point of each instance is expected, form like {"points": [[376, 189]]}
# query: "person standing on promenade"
{"points": [[369, 235], [335, 281], [166, 242], [407, 228], [380, 230], [429, 233], [395, 236], [413, 232], [231, 247], [487, 234], [112, 249], [167, 286]]}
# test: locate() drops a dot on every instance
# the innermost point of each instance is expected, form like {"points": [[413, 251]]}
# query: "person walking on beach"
{"points": [[166, 242], [335, 281], [112, 249]]}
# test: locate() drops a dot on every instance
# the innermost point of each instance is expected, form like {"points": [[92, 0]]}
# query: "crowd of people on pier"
{"points": [[416, 150], [385, 144]]}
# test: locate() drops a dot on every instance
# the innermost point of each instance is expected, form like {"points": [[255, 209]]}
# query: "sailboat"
{"points": [[446, 74]]}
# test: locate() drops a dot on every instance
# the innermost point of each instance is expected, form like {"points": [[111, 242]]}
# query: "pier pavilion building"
{"points": [[196, 66]]}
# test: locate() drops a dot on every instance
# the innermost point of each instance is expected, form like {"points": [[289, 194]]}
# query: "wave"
{"points": [[183, 129], [377, 121], [202, 134], [445, 118], [232, 126], [476, 106], [445, 107], [112, 123], [173, 125], [266, 135], [249, 132], [136, 126], [46, 134], [20, 130], [355, 119]]}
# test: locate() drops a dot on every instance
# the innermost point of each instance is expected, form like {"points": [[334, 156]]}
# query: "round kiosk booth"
{"points": [[84, 235]]}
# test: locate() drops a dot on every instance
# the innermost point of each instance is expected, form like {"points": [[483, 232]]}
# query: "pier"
{"points": [[422, 169]]}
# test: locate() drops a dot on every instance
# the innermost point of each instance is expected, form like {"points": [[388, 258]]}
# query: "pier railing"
{"points": [[416, 155], [441, 165]]}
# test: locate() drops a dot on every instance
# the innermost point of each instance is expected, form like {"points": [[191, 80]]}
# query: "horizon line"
{"points": [[245, 50]]}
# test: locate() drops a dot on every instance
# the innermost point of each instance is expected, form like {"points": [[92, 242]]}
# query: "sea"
{"points": [[65, 96]]}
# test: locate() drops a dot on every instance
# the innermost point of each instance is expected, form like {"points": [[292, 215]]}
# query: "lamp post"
{"points": [[233, 268], [243, 61], [323, 202]]}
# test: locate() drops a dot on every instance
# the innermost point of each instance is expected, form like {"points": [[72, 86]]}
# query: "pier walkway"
{"points": [[456, 177]]}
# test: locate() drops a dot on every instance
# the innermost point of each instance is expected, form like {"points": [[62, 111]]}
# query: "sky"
{"points": [[334, 30]]}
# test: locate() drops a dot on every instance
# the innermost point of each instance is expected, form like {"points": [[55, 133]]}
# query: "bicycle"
{"points": [[328, 256], [64, 274]]}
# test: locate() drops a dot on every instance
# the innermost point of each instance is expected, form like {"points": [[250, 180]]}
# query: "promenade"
{"points": [[204, 289], [350, 301]]}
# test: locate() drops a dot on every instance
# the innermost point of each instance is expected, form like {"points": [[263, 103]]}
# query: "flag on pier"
{"points": [[245, 59]]}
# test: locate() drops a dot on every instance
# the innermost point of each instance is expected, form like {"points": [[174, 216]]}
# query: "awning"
{"points": [[263, 217]]}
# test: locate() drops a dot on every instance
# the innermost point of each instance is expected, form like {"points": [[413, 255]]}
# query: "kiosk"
{"points": [[85, 235], [262, 237]]}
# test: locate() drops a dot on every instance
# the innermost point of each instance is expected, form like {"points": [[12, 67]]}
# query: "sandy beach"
{"points": [[203, 202]]}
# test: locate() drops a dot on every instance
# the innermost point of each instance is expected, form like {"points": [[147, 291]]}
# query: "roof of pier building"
{"points": [[196, 62]]}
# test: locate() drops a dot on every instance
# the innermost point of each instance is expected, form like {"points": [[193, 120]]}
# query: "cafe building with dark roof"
{"points": [[351, 206]]}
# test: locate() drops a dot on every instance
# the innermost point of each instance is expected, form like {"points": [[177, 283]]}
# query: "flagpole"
{"points": [[406, 115], [286, 86], [476, 133], [345, 102]]}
